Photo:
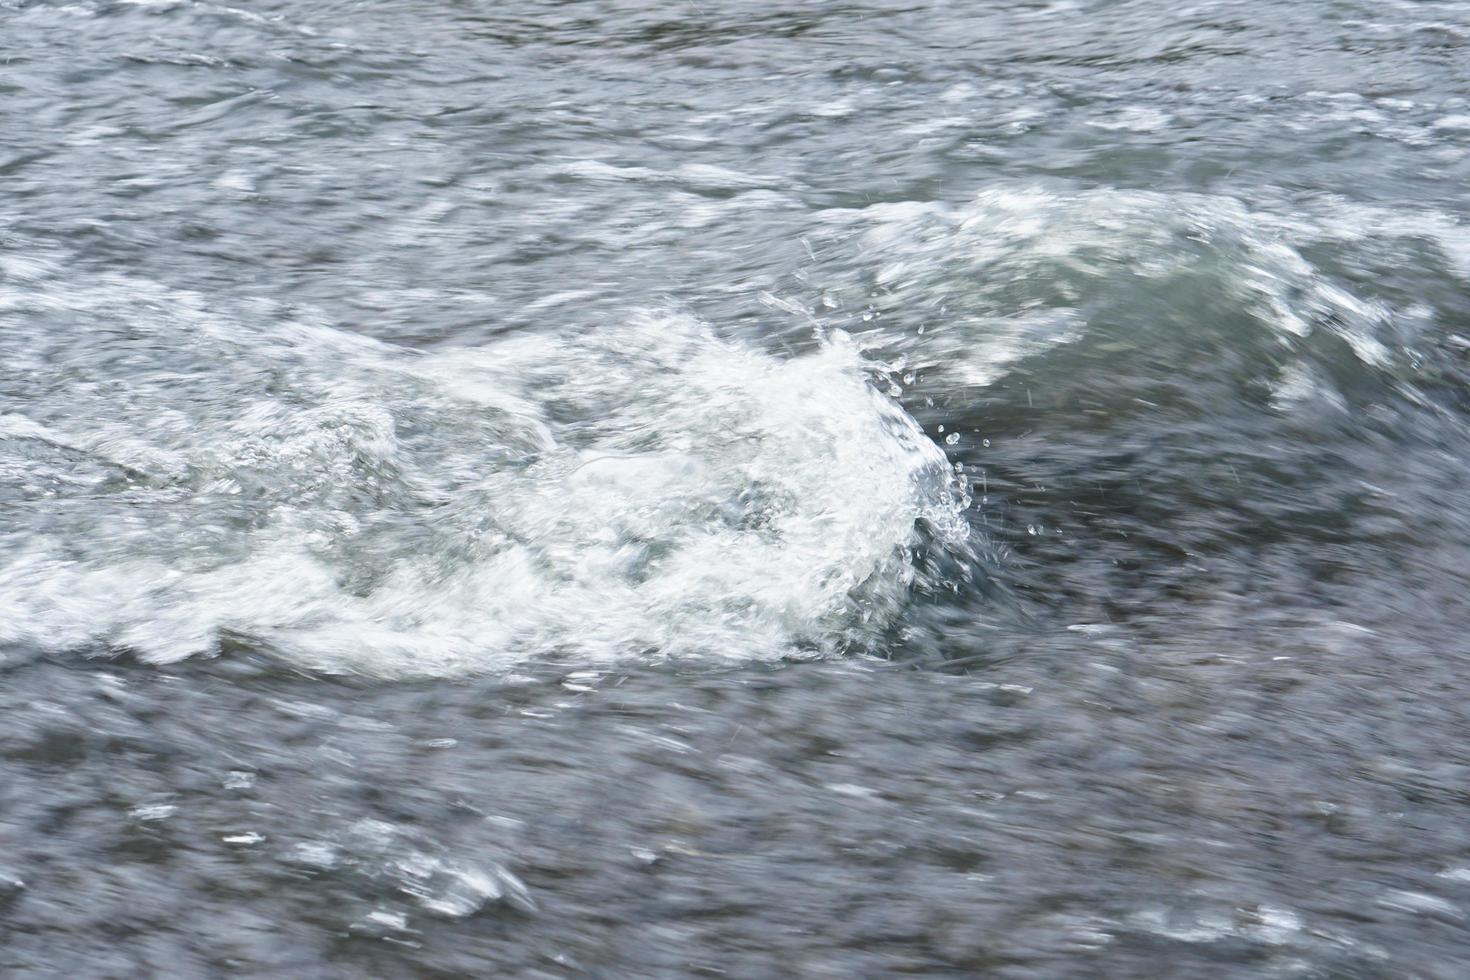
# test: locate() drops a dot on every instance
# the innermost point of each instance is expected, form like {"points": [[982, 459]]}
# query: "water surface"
{"points": [[663, 489]]}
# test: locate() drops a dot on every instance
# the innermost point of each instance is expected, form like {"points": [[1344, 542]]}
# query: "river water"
{"points": [[728, 488]]}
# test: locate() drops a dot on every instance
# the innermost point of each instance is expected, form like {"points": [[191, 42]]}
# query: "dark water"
{"points": [[734, 488]]}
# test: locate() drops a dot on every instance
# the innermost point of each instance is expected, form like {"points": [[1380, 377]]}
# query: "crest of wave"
{"points": [[1021, 270], [642, 488]]}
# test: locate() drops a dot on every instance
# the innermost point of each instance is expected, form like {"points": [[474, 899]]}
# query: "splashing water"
{"points": [[641, 487]]}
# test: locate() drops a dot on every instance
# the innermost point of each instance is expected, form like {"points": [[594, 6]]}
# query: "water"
{"points": [[665, 489]]}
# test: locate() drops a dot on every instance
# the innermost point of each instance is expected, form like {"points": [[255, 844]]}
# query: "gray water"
{"points": [[743, 489]]}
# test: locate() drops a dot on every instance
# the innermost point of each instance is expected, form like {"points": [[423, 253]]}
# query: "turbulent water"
{"points": [[616, 488]]}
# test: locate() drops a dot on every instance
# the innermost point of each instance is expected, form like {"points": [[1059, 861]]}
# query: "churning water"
{"points": [[627, 489], [616, 488]]}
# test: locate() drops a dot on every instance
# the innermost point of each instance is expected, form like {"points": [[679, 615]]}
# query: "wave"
{"points": [[638, 488], [968, 294]]}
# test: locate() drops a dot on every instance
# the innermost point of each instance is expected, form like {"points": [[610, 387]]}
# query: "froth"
{"points": [[643, 488]]}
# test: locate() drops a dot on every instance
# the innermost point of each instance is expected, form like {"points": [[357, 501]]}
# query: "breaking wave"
{"points": [[640, 488]]}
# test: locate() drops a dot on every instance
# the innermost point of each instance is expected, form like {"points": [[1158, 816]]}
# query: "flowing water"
{"points": [[727, 488]]}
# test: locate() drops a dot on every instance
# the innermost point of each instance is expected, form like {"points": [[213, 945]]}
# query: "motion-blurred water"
{"points": [[621, 488]]}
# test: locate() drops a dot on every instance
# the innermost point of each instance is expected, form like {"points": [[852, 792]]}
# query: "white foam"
{"points": [[638, 488]]}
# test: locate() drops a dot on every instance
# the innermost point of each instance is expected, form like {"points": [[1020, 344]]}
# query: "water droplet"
{"points": [[150, 812], [316, 854], [985, 443], [387, 919], [239, 779], [952, 438], [1030, 529]]}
